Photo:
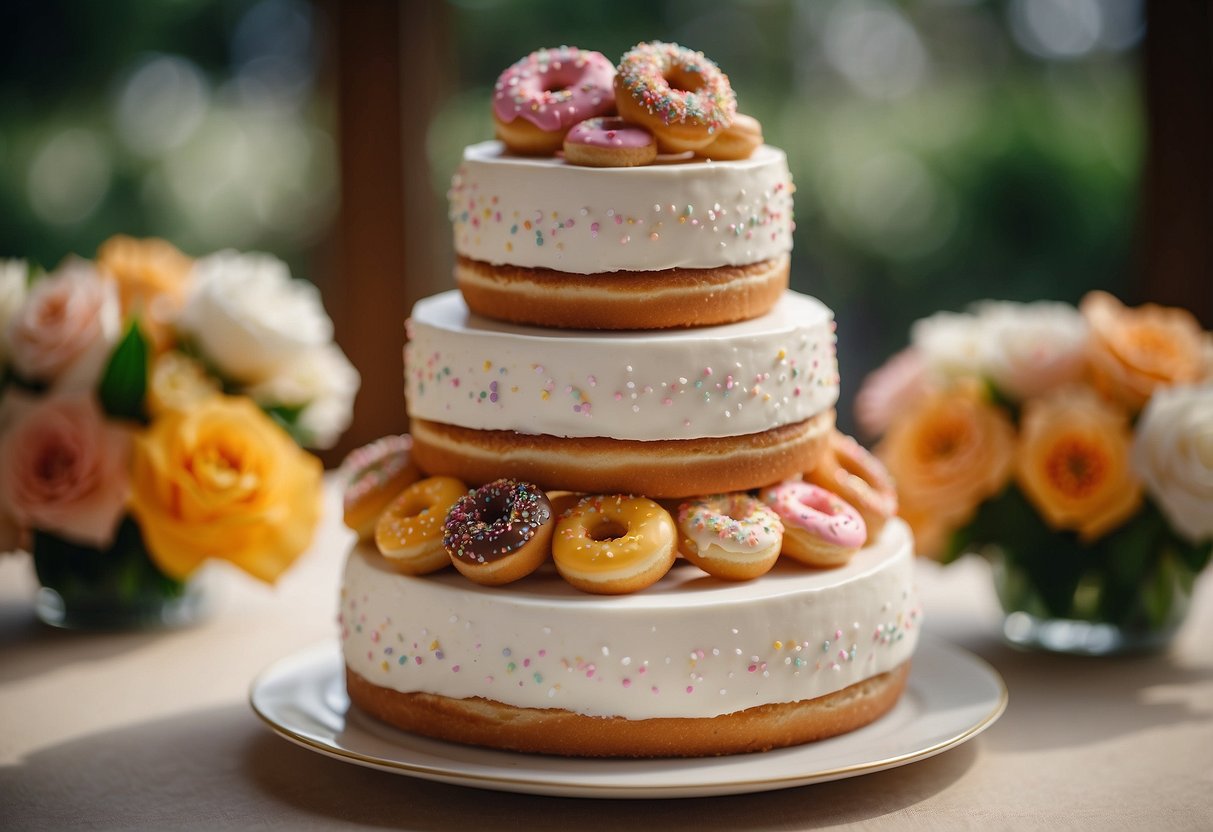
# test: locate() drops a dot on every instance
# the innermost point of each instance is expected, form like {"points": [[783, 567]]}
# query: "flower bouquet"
{"points": [[1074, 446], [152, 413]]}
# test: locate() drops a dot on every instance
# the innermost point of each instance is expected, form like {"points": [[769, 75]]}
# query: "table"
{"points": [[153, 730]]}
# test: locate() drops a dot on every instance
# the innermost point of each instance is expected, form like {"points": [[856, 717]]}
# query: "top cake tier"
{"points": [[686, 243]]}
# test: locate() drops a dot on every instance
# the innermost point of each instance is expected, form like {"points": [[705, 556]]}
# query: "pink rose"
{"points": [[890, 390], [64, 332], [65, 470]]}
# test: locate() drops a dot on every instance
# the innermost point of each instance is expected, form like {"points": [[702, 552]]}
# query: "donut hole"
{"points": [[681, 80], [607, 530]]}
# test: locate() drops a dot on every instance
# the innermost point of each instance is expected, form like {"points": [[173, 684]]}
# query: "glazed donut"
{"points": [[679, 95], [409, 532], [609, 142], [731, 536], [614, 545], [500, 532], [854, 474], [820, 529], [737, 141], [374, 474], [541, 96]]}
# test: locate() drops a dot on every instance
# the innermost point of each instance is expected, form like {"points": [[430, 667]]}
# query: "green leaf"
{"points": [[287, 417], [124, 382]]}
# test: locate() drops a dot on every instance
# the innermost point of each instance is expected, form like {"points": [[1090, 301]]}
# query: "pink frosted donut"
{"points": [[540, 97], [609, 142], [819, 528]]}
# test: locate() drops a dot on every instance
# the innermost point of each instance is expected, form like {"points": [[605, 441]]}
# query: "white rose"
{"points": [[249, 317], [1028, 349], [65, 331], [13, 276], [1173, 455], [323, 382], [949, 343]]}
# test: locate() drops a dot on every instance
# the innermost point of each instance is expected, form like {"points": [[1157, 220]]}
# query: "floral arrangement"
{"points": [[1075, 443], [152, 413]]}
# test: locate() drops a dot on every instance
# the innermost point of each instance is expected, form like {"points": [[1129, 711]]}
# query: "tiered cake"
{"points": [[629, 332]]}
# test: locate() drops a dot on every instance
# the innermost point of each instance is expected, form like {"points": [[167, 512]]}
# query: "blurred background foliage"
{"points": [[943, 150], [195, 120]]}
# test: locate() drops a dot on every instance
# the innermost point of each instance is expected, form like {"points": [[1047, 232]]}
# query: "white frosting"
{"points": [[545, 213], [731, 380], [689, 646]]}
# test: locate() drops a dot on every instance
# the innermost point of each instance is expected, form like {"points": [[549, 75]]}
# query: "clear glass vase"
{"points": [[1097, 618], [118, 588]]}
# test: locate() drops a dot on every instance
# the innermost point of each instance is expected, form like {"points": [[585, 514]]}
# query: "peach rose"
{"points": [[64, 333], [891, 389], [949, 453], [223, 481], [65, 470], [1073, 462], [152, 277], [1133, 351]]}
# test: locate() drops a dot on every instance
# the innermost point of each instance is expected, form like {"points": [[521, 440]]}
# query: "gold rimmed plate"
{"points": [[951, 697]]}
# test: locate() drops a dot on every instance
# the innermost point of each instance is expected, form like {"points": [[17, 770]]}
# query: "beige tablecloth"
{"points": [[153, 731]]}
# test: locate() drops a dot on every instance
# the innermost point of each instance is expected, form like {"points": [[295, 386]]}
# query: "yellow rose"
{"points": [[178, 382], [1073, 462], [152, 278], [223, 481], [1135, 350], [949, 453]]}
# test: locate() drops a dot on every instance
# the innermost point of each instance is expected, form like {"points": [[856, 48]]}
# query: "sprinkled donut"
{"points": [[609, 142], [500, 532], [614, 545], [730, 536], [374, 474], [678, 94], [820, 529], [409, 532], [540, 97], [854, 474], [738, 141]]}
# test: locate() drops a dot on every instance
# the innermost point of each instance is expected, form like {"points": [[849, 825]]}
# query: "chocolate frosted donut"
{"points": [[500, 532]]}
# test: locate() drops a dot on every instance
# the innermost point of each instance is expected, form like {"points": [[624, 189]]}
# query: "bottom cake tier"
{"points": [[691, 666]]}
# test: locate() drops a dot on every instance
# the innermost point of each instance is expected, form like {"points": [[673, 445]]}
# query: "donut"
{"points": [[820, 529], [678, 94], [500, 532], [374, 474], [538, 98], [854, 474], [731, 536], [609, 142], [737, 141], [409, 532], [612, 545]]}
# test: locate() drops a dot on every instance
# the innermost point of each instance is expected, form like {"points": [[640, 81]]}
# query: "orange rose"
{"points": [[949, 453], [1135, 350], [152, 277], [1073, 462], [223, 481]]}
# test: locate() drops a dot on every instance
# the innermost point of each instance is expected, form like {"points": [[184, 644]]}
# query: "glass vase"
{"points": [[118, 588], [1090, 623]]}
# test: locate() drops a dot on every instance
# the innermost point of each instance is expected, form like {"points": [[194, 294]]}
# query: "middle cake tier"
{"points": [[669, 413]]}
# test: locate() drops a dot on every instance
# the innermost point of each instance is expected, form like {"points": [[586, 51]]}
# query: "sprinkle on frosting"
{"points": [[643, 71], [371, 466], [555, 88], [495, 521]]}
